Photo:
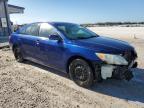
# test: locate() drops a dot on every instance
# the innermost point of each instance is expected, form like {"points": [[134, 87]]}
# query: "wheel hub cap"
{"points": [[80, 73]]}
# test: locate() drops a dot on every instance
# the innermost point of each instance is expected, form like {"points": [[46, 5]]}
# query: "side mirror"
{"points": [[55, 37]]}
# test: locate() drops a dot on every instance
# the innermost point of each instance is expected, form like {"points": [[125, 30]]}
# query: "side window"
{"points": [[33, 30], [22, 30], [46, 30]]}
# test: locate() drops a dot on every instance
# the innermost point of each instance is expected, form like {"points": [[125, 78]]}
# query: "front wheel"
{"points": [[81, 73], [18, 55]]}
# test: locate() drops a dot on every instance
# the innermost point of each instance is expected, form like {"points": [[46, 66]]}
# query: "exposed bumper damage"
{"points": [[118, 72], [105, 70]]}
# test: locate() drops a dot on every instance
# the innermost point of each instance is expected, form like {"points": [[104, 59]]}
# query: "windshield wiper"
{"points": [[87, 37], [94, 36], [82, 38]]}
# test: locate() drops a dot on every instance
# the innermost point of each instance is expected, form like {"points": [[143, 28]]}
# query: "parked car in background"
{"points": [[70, 48]]}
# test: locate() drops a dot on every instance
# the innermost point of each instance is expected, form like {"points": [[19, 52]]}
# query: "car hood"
{"points": [[104, 45]]}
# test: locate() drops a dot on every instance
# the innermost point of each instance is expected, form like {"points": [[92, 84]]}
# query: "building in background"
{"points": [[5, 23]]}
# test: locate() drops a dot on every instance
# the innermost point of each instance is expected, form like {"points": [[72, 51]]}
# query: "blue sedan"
{"points": [[71, 48]]}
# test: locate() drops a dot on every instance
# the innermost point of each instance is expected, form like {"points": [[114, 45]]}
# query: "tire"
{"points": [[81, 73], [18, 55]]}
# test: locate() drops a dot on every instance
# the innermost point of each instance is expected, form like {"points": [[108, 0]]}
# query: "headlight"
{"points": [[112, 59]]}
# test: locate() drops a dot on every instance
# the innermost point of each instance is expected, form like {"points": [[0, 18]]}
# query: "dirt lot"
{"points": [[31, 85]]}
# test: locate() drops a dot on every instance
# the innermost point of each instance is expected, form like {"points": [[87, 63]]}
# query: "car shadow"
{"points": [[129, 91]]}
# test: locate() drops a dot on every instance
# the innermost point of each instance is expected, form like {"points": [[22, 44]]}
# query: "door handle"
{"points": [[37, 42]]}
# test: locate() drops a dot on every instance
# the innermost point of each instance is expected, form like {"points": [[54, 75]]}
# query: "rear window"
{"points": [[22, 30], [32, 29]]}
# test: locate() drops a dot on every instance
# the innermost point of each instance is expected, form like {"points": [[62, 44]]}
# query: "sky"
{"points": [[79, 11]]}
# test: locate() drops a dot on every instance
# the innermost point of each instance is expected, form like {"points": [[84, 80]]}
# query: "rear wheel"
{"points": [[18, 54], [81, 73]]}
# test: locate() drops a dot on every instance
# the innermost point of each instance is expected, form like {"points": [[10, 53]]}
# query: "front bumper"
{"points": [[106, 71], [122, 73]]}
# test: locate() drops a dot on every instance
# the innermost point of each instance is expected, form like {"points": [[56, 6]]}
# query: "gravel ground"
{"points": [[30, 85]]}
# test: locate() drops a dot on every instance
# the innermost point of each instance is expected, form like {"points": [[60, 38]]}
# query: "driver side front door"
{"points": [[52, 51]]}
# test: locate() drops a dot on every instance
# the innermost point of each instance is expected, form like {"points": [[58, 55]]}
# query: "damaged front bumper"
{"points": [[122, 73], [105, 71], [118, 72]]}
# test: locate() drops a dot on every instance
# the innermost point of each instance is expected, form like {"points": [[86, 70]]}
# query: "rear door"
{"points": [[30, 41]]}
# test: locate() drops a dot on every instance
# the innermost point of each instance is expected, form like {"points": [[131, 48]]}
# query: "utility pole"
{"points": [[7, 16]]}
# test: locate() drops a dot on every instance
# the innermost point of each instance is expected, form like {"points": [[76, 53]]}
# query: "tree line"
{"points": [[113, 24]]}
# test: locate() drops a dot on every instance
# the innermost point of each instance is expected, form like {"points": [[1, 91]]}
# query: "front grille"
{"points": [[130, 56]]}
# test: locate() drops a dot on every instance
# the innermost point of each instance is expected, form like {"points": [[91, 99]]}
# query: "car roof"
{"points": [[52, 23], [60, 23]]}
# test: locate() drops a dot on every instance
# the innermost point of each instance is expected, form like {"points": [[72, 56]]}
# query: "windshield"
{"points": [[73, 31]]}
